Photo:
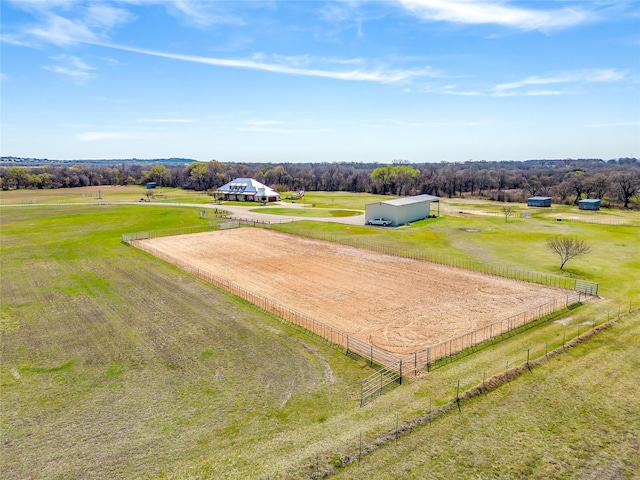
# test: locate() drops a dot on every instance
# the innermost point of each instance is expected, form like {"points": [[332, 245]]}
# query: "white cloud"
{"points": [[266, 126], [484, 12], [71, 66], [577, 76], [263, 122], [264, 130], [544, 93], [105, 16], [444, 124], [167, 120], [201, 14], [78, 25], [379, 76], [61, 31], [94, 136], [615, 124]]}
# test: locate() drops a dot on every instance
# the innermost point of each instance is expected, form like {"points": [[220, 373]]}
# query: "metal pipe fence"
{"points": [[556, 281], [351, 345], [391, 367], [444, 351]]}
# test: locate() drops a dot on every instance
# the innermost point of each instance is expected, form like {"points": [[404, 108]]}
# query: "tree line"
{"points": [[616, 182]]}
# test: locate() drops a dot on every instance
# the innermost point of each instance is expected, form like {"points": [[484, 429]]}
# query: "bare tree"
{"points": [[507, 211], [627, 184], [567, 248]]}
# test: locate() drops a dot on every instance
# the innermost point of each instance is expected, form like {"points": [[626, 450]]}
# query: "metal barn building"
{"points": [[402, 210], [589, 204], [539, 202]]}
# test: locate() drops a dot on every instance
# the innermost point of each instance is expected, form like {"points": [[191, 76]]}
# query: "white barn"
{"points": [[248, 190], [402, 210]]}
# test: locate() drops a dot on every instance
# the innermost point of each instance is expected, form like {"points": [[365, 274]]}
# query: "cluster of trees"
{"points": [[617, 181]]}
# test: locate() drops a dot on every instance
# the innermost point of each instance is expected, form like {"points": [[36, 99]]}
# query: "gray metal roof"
{"points": [[539, 198], [411, 200], [589, 200]]}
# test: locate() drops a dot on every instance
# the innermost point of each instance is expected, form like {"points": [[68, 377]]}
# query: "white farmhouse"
{"points": [[247, 190]]}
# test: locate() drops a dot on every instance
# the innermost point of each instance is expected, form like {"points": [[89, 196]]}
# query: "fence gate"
{"points": [[380, 382], [589, 288]]}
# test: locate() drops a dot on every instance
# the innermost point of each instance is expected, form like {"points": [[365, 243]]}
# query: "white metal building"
{"points": [[402, 210]]}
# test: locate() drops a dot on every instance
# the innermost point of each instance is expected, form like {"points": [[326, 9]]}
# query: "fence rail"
{"points": [[383, 380], [351, 345], [434, 354], [391, 368], [583, 286]]}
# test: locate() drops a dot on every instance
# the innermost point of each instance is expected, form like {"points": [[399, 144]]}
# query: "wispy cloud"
{"points": [[571, 77], [266, 126], [61, 31], [263, 122], [166, 120], [71, 66], [379, 76], [484, 12], [602, 75], [265, 130], [200, 14], [94, 136], [444, 124], [83, 23], [615, 124]]}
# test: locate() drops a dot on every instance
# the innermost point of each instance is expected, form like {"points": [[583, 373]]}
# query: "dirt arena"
{"points": [[398, 304]]}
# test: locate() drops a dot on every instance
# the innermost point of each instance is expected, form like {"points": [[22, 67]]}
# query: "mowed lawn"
{"points": [[116, 365]]}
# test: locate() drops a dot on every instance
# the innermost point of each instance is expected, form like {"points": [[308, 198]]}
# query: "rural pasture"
{"points": [[397, 304], [117, 365]]}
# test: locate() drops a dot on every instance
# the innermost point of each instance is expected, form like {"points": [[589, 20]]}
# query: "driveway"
{"points": [[245, 213]]}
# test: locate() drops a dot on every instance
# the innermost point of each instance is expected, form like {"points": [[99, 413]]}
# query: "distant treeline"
{"points": [[616, 182]]}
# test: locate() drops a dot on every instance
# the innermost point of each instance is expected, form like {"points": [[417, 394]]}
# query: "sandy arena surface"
{"points": [[398, 304]]}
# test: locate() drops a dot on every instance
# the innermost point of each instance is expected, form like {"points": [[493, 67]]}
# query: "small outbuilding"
{"points": [[247, 190], [539, 202], [402, 210], [589, 204]]}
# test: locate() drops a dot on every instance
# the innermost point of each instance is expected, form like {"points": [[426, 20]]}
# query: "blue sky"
{"points": [[315, 81]]}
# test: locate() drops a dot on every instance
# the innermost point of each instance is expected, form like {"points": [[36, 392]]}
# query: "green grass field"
{"points": [[116, 365], [345, 200], [308, 212], [101, 194]]}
